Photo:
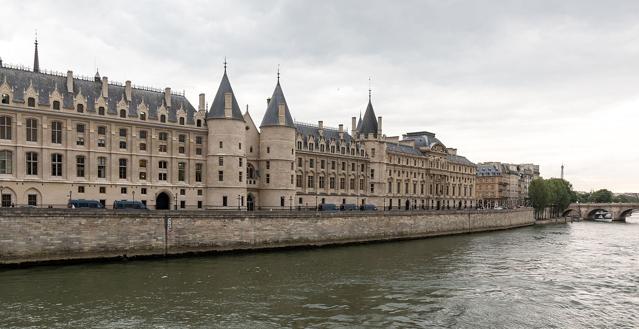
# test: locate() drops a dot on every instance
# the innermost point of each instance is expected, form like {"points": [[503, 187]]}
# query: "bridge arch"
{"points": [[571, 212], [591, 213], [627, 213]]}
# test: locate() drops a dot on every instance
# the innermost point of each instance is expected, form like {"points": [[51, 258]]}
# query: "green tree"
{"points": [[539, 195], [601, 196], [561, 193]]}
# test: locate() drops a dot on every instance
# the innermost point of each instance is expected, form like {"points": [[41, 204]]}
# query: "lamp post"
{"points": [[238, 202], [133, 195], [290, 203]]}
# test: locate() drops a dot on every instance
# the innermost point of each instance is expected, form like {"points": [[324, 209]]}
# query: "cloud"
{"points": [[516, 81]]}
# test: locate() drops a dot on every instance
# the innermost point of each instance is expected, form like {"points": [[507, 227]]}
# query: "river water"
{"points": [[579, 275]]}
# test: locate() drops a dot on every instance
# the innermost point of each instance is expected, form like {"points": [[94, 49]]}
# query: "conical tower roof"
{"points": [[217, 108], [369, 122], [271, 117]]}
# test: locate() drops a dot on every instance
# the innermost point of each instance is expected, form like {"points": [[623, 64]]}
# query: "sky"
{"points": [[544, 82]]}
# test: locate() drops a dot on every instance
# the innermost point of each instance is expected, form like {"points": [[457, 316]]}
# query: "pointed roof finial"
{"points": [[369, 89], [225, 63], [278, 73], [36, 61]]}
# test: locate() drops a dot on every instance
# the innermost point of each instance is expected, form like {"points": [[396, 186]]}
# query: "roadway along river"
{"points": [[580, 275]]}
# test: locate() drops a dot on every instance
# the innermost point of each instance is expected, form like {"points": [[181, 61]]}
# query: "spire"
{"points": [[368, 125], [225, 63], [36, 61], [276, 105], [369, 89], [278, 73], [219, 106]]}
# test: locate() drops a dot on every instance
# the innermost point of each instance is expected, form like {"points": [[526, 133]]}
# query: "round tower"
{"points": [[277, 154], [226, 157]]}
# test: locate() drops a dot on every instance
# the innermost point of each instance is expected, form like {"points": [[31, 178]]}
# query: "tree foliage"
{"points": [[554, 193], [601, 196], [538, 194]]}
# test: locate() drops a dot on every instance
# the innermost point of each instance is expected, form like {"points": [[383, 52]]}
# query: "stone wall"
{"points": [[40, 235]]}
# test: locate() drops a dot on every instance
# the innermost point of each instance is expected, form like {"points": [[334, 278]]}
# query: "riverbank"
{"points": [[34, 236]]}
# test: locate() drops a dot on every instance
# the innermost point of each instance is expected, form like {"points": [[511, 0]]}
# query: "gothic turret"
{"points": [[36, 60]]}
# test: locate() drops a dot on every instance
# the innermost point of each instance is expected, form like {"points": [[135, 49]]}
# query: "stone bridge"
{"points": [[619, 211]]}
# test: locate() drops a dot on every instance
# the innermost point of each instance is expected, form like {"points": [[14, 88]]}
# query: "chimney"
{"points": [[201, 104], [268, 101], [105, 87], [320, 124], [167, 96], [127, 90], [379, 126], [70, 81], [341, 131], [353, 124]]}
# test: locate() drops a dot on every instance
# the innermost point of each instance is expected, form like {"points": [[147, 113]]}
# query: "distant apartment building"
{"points": [[504, 184]]}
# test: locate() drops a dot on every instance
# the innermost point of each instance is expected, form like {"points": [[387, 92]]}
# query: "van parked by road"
{"points": [[348, 207], [368, 207], [128, 204], [82, 203], [327, 207]]}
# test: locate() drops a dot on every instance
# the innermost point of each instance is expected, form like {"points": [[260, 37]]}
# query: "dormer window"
{"points": [[163, 118], [101, 110], [5, 99], [198, 123], [123, 114], [31, 102], [80, 108], [56, 105], [143, 116], [182, 121]]}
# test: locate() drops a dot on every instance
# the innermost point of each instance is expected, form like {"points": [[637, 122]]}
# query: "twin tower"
{"points": [[247, 168]]}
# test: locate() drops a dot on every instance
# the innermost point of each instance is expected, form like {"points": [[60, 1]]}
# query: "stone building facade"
{"points": [[68, 137], [504, 184]]}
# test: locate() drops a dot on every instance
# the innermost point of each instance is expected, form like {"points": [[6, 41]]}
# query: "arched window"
{"points": [[56, 105], [56, 132], [5, 127], [122, 113], [80, 108], [143, 116], [5, 99], [31, 102], [32, 130], [6, 162], [162, 118], [182, 121], [199, 123]]}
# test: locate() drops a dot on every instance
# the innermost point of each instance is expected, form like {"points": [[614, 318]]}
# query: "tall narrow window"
{"points": [[32, 163], [79, 166], [32, 130], [101, 110], [182, 121], [123, 114], [102, 167], [5, 127], [80, 108], [162, 118], [198, 172], [31, 102], [143, 116], [5, 99], [56, 132], [123, 167], [6, 162], [56, 165], [181, 171], [56, 105]]}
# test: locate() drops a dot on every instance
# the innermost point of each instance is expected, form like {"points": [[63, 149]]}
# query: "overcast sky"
{"points": [[513, 81]]}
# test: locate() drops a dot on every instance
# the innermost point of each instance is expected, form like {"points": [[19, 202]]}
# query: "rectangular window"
{"points": [[79, 141], [79, 128], [32, 200], [268, 178], [342, 183], [225, 201], [198, 172], [122, 168], [142, 175], [56, 165], [123, 132], [142, 146], [122, 144], [101, 142], [268, 165], [32, 130], [102, 167], [79, 166], [5, 127], [80, 189], [143, 134], [163, 164], [199, 204], [101, 130], [240, 176], [162, 176], [372, 188], [182, 204], [221, 144], [56, 132], [331, 182], [123, 190], [310, 182], [220, 175], [162, 148], [240, 162], [220, 161], [198, 151], [198, 140], [163, 136], [182, 138], [181, 150], [372, 173], [311, 163], [143, 191], [322, 182], [102, 190], [181, 171], [6, 162], [322, 164]]}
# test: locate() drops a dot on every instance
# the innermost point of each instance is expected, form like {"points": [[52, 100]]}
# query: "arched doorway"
{"points": [[163, 201], [250, 205], [407, 205]]}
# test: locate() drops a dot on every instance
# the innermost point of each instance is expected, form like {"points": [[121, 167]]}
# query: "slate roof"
{"points": [[488, 170], [459, 159], [271, 117], [406, 149], [308, 130], [369, 123], [423, 139], [217, 108], [45, 83]]}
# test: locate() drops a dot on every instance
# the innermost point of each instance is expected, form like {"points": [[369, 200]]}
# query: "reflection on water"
{"points": [[560, 276]]}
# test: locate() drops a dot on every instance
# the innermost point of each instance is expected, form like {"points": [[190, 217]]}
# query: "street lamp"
{"points": [[133, 195], [238, 202]]}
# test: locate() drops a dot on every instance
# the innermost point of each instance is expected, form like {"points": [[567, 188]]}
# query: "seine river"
{"points": [[580, 275]]}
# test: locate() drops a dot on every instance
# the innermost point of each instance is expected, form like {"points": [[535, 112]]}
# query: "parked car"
{"points": [[128, 204], [368, 207], [82, 203], [347, 207], [327, 207]]}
